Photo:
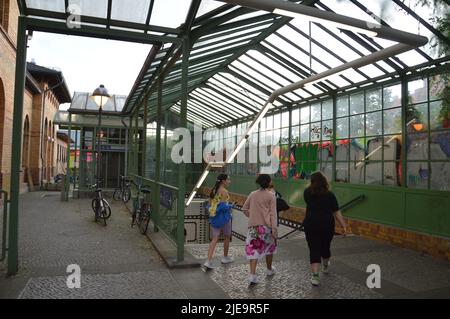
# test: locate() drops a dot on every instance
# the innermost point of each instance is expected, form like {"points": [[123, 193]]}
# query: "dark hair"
{"points": [[263, 180], [220, 179], [319, 184]]}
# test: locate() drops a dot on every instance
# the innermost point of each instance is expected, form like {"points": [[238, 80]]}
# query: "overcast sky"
{"points": [[87, 62]]}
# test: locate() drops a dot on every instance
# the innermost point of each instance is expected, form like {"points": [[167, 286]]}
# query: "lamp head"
{"points": [[101, 96]]}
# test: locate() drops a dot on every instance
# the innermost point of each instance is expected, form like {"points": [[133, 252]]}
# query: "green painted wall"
{"points": [[422, 211]]}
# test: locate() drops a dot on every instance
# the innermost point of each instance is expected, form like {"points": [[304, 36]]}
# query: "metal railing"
{"points": [[298, 226], [164, 201], [5, 224]]}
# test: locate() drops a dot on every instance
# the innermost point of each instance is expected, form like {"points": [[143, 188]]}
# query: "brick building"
{"points": [[45, 90]]}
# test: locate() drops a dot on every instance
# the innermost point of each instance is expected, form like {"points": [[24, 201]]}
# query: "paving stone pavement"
{"points": [[118, 262]]}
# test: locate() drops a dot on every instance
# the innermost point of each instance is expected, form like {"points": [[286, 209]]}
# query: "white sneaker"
{"points": [[270, 272], [326, 267], [315, 280], [252, 279], [227, 259], [209, 264]]}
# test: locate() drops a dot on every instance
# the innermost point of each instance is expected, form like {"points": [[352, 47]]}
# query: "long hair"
{"points": [[319, 184], [219, 180], [263, 181]]}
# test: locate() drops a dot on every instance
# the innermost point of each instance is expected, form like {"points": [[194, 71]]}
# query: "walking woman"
{"points": [[260, 208], [218, 195], [321, 209]]}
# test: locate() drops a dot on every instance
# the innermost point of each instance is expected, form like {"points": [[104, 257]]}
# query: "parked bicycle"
{"points": [[123, 192], [142, 209], [100, 206]]}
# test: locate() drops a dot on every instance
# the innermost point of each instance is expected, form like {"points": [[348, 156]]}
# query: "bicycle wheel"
{"points": [[117, 195], [104, 213], [135, 217], [126, 195], [94, 205], [144, 219], [107, 208]]}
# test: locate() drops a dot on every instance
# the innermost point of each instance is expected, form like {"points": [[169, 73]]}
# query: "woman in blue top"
{"points": [[219, 194]]}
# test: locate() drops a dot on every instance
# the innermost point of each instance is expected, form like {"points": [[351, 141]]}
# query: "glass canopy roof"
{"points": [[239, 56], [83, 103]]}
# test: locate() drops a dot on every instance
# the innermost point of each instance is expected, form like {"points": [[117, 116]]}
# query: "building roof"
{"points": [[53, 77]]}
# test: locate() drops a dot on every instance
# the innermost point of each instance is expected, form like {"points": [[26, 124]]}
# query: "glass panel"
{"points": [[207, 6], [49, 5], [440, 176], [277, 120], [373, 123], [418, 175], [295, 134], [316, 131], [357, 103], [304, 133], [342, 128], [417, 91], [98, 9], [373, 100], [327, 130], [417, 145], [392, 96], [373, 173], [285, 136], [315, 112], [285, 119], [418, 114], [393, 121], [342, 106], [304, 117], [269, 122], [390, 176], [440, 145], [439, 115], [357, 125], [327, 110], [437, 87], [175, 9], [296, 117]]}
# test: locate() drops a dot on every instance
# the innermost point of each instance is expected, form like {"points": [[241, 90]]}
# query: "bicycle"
{"points": [[141, 209], [100, 206], [123, 192]]}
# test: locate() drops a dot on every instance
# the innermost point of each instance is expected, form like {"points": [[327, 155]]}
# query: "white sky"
{"points": [[87, 62]]}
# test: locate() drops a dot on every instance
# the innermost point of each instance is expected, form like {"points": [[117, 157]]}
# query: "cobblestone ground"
{"points": [[115, 261], [118, 262]]}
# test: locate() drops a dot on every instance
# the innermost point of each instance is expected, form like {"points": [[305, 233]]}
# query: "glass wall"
{"points": [[365, 142]]}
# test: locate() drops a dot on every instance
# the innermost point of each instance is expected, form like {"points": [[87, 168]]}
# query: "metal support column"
{"points": [[158, 153], [333, 173], [19, 88], [404, 85], [75, 160], [182, 166], [144, 138], [67, 180]]}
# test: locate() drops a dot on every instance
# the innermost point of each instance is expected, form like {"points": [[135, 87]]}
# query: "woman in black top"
{"points": [[321, 209]]}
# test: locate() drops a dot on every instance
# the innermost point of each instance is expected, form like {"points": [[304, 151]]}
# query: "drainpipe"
{"points": [[42, 122]]}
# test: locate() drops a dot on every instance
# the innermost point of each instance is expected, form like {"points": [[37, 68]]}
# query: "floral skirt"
{"points": [[259, 242]]}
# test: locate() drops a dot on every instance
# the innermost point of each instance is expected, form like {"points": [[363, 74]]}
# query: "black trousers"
{"points": [[319, 242]]}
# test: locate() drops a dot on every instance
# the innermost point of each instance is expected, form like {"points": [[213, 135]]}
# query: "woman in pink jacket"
{"points": [[260, 208]]}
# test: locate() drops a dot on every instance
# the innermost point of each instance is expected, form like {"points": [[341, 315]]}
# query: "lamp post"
{"points": [[100, 97]]}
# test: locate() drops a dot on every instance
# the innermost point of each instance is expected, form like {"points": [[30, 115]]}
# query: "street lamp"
{"points": [[100, 97]]}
